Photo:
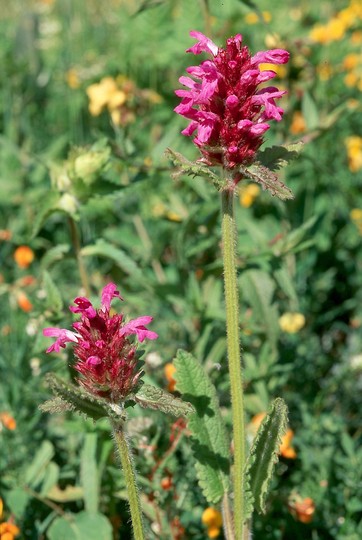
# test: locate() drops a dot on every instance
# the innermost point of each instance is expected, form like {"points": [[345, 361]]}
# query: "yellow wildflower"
{"points": [[356, 214], [212, 518], [248, 194], [72, 79], [354, 152], [253, 18], [100, 93], [356, 37], [169, 371], [351, 60], [291, 322], [324, 71]]}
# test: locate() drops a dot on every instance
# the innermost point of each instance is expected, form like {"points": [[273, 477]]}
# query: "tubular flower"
{"points": [[105, 356], [227, 110]]}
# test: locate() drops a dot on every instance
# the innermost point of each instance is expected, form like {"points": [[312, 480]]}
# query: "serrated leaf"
{"points": [[53, 297], [89, 473], [209, 439], [268, 180], [264, 452], [277, 157], [81, 401], [120, 257], [150, 397], [192, 168]]}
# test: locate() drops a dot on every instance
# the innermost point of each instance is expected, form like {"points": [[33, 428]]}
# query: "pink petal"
{"points": [[84, 306], [274, 56], [204, 44], [137, 326], [109, 292], [63, 336]]}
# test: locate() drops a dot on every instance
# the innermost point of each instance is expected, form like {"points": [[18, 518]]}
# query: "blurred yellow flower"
{"points": [[212, 518], [169, 371], [351, 79], [72, 79], [352, 60], [280, 70], [253, 18], [248, 194], [356, 37], [354, 152], [9, 423], [298, 124], [356, 216], [291, 322], [325, 71], [302, 509], [99, 94]]}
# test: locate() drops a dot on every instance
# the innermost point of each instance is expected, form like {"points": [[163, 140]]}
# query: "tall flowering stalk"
{"points": [[106, 361], [229, 115]]}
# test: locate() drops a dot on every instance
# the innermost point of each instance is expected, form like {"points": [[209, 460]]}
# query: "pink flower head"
{"points": [[105, 354], [227, 110]]}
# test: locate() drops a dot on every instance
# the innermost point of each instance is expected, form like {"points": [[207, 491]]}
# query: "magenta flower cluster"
{"points": [[227, 110], [105, 356]]}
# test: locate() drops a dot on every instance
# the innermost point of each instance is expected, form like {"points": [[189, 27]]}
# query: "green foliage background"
{"points": [[159, 240]]}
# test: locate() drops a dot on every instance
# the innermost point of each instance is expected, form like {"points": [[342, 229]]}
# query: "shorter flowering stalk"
{"points": [[107, 365], [105, 355]]}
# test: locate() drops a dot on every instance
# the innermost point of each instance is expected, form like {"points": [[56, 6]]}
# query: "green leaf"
{"points": [[36, 470], [150, 397], [80, 526], [47, 207], [54, 254], [264, 452], [51, 478], [209, 439], [310, 111], [89, 473], [53, 297], [17, 500], [277, 157], [192, 168], [77, 399], [268, 180], [120, 257]]}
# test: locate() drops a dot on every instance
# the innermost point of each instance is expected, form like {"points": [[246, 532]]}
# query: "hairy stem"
{"points": [[77, 247], [227, 519], [234, 354], [130, 477]]}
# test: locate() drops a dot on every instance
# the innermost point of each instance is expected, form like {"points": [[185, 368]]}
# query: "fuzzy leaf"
{"points": [[192, 168], [47, 207], [268, 180], [264, 452], [209, 439], [79, 400], [150, 397], [277, 157]]}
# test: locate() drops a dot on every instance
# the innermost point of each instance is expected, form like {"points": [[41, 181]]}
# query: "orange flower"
{"points": [[302, 509], [24, 302], [169, 371], [286, 450], [5, 235], [212, 518], [298, 124], [23, 256], [7, 421], [8, 530]]}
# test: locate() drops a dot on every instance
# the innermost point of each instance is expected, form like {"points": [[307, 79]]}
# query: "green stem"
{"points": [[227, 519], [234, 353], [77, 247], [130, 477]]}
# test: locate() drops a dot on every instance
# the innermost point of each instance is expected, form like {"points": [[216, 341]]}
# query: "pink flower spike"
{"points": [[109, 292], [84, 306], [204, 44], [137, 326], [274, 56], [63, 336]]}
